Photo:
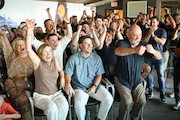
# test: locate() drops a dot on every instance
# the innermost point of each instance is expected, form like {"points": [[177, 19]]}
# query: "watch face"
{"points": [[1, 4]]}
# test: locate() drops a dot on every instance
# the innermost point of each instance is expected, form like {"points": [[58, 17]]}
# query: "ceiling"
{"points": [[171, 3], [85, 2]]}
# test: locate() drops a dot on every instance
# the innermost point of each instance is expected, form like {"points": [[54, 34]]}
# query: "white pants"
{"points": [[55, 106], [102, 95]]}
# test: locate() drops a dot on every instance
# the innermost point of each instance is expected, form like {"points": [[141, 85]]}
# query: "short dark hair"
{"points": [[46, 21], [154, 17], [98, 16], [49, 35], [84, 22], [82, 38]]}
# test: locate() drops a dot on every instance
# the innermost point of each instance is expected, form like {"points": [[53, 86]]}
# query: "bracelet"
{"points": [[95, 85]]}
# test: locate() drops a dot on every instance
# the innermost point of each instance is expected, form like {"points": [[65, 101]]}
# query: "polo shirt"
{"points": [[83, 70]]}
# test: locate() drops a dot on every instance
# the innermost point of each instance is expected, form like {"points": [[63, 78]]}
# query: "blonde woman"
{"points": [[46, 95], [19, 67]]}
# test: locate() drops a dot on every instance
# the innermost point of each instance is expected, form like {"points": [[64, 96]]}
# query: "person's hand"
{"points": [[149, 48], [2, 116], [66, 19], [47, 9], [30, 23], [151, 8], [151, 30], [166, 10], [140, 50], [79, 27], [178, 27], [6, 26], [91, 90], [68, 89]]}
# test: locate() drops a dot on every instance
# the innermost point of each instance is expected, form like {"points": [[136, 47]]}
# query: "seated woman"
{"points": [[46, 71], [7, 112], [19, 67]]}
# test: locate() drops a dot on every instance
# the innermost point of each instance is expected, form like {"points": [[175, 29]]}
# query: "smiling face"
{"points": [[53, 42], [134, 35], [108, 38], [154, 22], [86, 46], [49, 26], [47, 54], [20, 47]]}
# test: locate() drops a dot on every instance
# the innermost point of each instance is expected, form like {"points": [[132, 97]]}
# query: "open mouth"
{"points": [[22, 49]]}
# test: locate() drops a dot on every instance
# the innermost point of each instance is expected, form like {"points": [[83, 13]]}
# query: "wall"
{"points": [[19, 10], [101, 9], [122, 4]]}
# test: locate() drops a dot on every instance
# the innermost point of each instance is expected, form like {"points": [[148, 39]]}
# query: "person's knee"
{"points": [[126, 103], [108, 100], [79, 104], [63, 106], [51, 108]]}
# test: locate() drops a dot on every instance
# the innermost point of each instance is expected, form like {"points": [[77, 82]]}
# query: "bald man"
{"points": [[130, 56]]}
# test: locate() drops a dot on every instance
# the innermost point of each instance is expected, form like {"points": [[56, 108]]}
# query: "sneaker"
{"points": [[171, 95], [176, 106], [150, 95], [162, 97]]}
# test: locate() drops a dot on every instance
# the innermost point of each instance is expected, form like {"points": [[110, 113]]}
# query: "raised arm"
{"points": [[30, 36], [49, 14], [11, 34], [95, 38], [175, 34], [6, 46], [76, 36], [69, 28], [172, 21], [102, 38]]}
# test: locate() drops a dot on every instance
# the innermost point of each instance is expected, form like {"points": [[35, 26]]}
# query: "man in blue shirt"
{"points": [[156, 36], [83, 74], [130, 57]]}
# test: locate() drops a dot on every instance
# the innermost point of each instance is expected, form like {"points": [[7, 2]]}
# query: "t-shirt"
{"points": [[6, 108]]}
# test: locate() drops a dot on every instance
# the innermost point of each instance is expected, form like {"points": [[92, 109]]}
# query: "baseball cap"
{"points": [[22, 25]]}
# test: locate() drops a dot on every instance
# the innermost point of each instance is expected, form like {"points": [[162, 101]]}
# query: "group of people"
{"points": [[80, 54]]}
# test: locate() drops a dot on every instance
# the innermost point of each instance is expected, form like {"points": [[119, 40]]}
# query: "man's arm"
{"points": [[96, 82], [68, 88], [69, 28], [13, 116], [156, 53], [177, 52], [175, 34], [123, 51]]}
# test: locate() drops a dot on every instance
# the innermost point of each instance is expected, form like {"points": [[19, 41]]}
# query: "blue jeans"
{"points": [[159, 66]]}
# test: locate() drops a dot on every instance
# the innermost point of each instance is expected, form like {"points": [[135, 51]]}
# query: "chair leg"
{"points": [[31, 103], [142, 113]]}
